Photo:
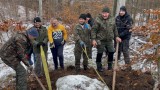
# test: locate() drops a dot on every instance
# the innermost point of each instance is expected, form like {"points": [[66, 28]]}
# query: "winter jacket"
{"points": [[43, 37], [57, 35], [104, 30], [82, 33], [91, 22], [124, 24], [16, 49]]}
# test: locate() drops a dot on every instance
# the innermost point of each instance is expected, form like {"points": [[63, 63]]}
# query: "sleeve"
{"points": [[94, 30], [50, 34], [115, 31], [65, 36], [127, 28], [34, 43], [76, 34], [21, 44], [46, 36]]}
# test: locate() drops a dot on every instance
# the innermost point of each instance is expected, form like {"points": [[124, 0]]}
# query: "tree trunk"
{"points": [[119, 4], [40, 9]]}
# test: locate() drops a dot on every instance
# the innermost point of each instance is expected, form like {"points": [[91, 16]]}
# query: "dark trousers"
{"points": [[21, 74], [57, 52], [124, 47], [99, 57]]}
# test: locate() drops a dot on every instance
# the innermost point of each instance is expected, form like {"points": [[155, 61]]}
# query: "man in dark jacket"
{"points": [[103, 34], [15, 50], [82, 35], [41, 40], [89, 19], [124, 23]]}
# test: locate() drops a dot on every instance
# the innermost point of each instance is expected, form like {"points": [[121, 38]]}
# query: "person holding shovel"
{"points": [[82, 34], [103, 34], [15, 50], [124, 23], [41, 40]]}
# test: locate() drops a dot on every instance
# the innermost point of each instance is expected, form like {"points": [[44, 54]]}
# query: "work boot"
{"points": [[109, 65], [99, 67], [85, 67], [77, 69], [128, 68]]}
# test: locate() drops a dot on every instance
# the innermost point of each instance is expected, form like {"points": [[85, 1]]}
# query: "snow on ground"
{"points": [[69, 59], [79, 82]]}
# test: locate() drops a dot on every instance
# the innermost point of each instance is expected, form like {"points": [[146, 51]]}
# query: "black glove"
{"points": [[40, 43]]}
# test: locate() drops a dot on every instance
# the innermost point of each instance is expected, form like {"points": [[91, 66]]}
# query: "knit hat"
{"points": [[123, 8], [36, 19], [83, 16], [33, 32], [88, 15], [106, 9]]}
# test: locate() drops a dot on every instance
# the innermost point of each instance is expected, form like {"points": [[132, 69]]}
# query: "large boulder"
{"points": [[79, 82]]}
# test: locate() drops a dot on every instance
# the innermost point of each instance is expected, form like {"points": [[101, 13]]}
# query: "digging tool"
{"points": [[40, 83], [38, 80], [45, 67], [85, 51], [115, 67]]}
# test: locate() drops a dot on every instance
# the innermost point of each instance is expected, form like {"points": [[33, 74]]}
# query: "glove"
{"points": [[40, 43], [30, 69], [82, 43], [52, 45], [63, 42]]}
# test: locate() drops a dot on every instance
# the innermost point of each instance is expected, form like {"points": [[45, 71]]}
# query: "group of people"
{"points": [[100, 33], [103, 34]]}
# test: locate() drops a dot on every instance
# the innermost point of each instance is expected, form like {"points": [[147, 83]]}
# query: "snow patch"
{"points": [[79, 82]]}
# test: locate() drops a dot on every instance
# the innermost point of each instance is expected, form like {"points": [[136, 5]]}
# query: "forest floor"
{"points": [[125, 80]]}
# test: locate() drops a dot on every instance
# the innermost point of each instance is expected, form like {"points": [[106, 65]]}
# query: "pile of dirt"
{"points": [[125, 80]]}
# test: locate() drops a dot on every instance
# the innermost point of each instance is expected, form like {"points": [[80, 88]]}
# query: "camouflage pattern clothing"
{"points": [[82, 32], [12, 53], [43, 37], [104, 32]]}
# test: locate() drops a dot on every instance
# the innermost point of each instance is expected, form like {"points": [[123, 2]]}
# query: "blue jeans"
{"points": [[57, 52]]}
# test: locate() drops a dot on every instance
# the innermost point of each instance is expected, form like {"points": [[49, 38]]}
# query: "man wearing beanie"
{"points": [[15, 50], [89, 19], [82, 33], [41, 40], [124, 23], [103, 34]]}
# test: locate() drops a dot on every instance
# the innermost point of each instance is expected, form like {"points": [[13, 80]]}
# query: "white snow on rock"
{"points": [[79, 82]]}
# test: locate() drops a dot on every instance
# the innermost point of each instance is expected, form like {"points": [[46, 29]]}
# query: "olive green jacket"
{"points": [[104, 30], [43, 37]]}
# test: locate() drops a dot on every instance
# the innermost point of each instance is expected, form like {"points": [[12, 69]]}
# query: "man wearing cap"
{"points": [[124, 23], [15, 50], [41, 40], [103, 34], [82, 33]]}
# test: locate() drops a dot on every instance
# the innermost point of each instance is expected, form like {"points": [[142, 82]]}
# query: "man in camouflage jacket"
{"points": [[82, 33], [41, 40], [103, 35], [15, 50]]}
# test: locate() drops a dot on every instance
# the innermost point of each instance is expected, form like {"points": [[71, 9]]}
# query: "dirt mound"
{"points": [[125, 80]]}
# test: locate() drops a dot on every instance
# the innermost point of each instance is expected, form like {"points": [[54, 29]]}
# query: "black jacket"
{"points": [[124, 24]]}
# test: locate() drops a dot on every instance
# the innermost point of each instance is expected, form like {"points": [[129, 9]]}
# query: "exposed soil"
{"points": [[125, 80]]}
